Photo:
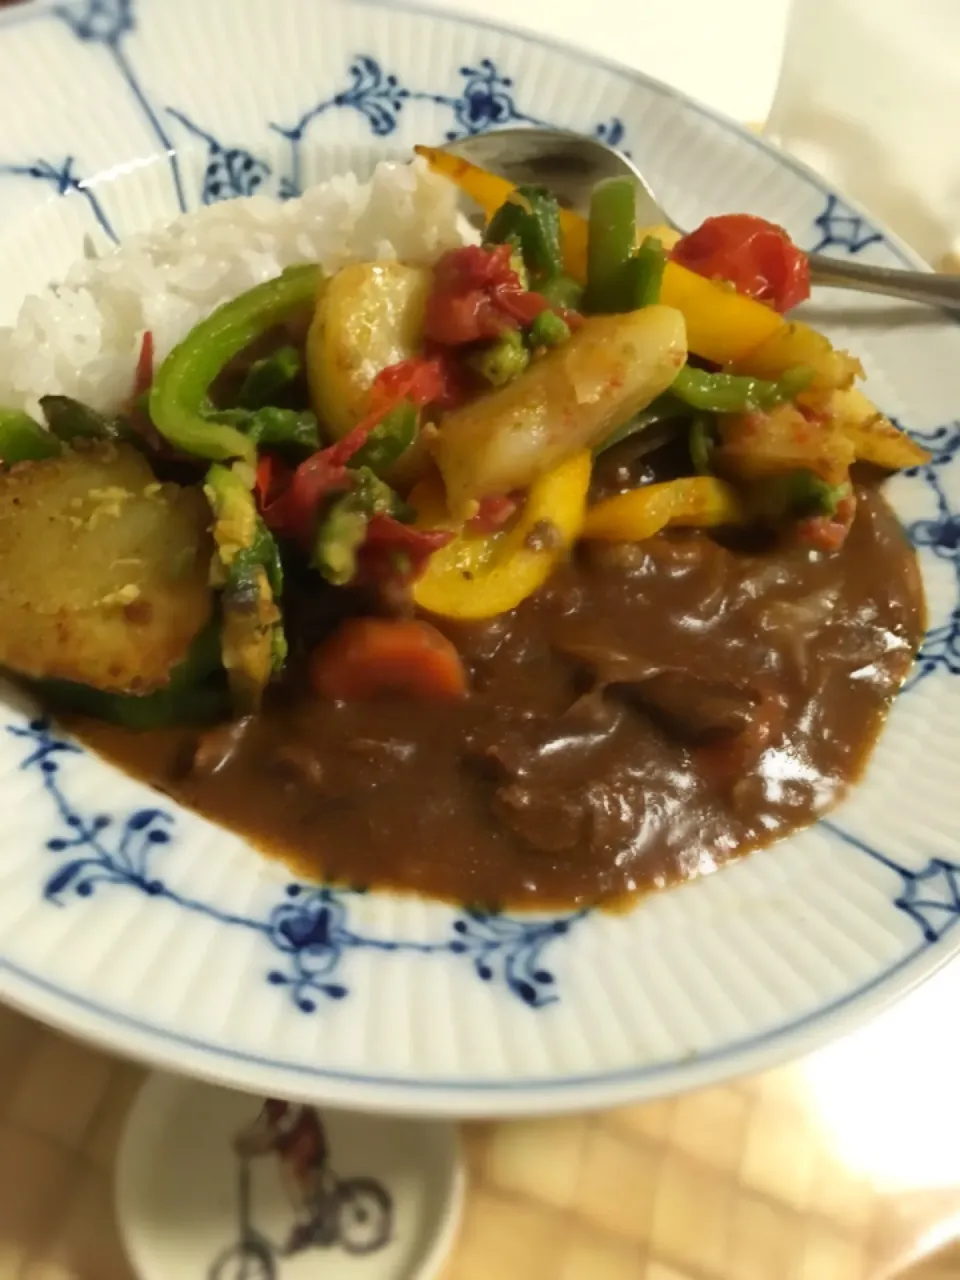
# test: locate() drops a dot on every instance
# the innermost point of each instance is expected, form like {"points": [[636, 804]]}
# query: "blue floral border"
{"points": [[309, 929]]}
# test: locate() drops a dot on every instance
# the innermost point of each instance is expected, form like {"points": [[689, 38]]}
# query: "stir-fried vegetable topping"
{"points": [[273, 428], [643, 275], [696, 501], [549, 330], [103, 570], [389, 440], [504, 359], [569, 399], [455, 417]]}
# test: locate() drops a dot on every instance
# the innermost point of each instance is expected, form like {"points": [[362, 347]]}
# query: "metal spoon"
{"points": [[571, 165]]}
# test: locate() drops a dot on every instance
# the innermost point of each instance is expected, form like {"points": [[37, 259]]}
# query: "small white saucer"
{"points": [[215, 1185]]}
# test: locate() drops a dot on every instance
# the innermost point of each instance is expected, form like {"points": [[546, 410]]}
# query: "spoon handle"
{"points": [[910, 286]]}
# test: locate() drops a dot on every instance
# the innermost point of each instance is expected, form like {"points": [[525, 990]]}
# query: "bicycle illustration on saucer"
{"points": [[355, 1214]]}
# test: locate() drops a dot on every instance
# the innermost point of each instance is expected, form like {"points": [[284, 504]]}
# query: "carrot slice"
{"points": [[372, 657]]}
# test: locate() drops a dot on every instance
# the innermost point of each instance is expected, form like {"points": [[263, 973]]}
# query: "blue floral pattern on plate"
{"points": [[309, 928]]}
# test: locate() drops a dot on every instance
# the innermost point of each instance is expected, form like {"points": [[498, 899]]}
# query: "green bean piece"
{"points": [[796, 494], [70, 420], [612, 238], [23, 439], [343, 528], [501, 360], [540, 232], [504, 227], [182, 383], [548, 330], [701, 442], [561, 291], [271, 427], [642, 276], [531, 217], [266, 378], [389, 440]]}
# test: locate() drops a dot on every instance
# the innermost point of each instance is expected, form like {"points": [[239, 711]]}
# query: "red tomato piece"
{"points": [[455, 319], [757, 257], [476, 296], [431, 379]]}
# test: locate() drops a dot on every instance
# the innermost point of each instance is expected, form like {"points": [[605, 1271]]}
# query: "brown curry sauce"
{"points": [[655, 711]]}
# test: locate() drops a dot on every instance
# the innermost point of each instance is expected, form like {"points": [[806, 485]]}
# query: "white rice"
{"points": [[81, 338]]}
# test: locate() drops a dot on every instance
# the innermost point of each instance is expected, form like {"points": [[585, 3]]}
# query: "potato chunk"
{"points": [[368, 316], [756, 445], [103, 571], [570, 399]]}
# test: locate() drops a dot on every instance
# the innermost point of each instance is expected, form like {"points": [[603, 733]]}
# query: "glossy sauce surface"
{"points": [[657, 710]]}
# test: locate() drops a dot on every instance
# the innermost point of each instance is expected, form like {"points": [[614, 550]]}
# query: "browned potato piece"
{"points": [[755, 445], [568, 400], [794, 344], [874, 438], [103, 572], [369, 316]]}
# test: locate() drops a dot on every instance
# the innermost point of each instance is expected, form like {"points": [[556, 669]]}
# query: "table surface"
{"points": [[842, 1167]]}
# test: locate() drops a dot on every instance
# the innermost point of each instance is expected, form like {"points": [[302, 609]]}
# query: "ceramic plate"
{"points": [[132, 922]]}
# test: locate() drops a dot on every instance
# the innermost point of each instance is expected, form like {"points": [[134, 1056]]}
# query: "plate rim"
{"points": [[125, 1033], [480, 1098]]}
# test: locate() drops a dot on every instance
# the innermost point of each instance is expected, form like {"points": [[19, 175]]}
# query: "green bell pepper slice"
{"points": [[736, 393], [182, 384]]}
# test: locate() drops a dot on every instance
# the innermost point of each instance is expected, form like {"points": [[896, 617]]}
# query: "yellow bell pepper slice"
{"points": [[480, 575], [722, 325], [699, 501]]}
